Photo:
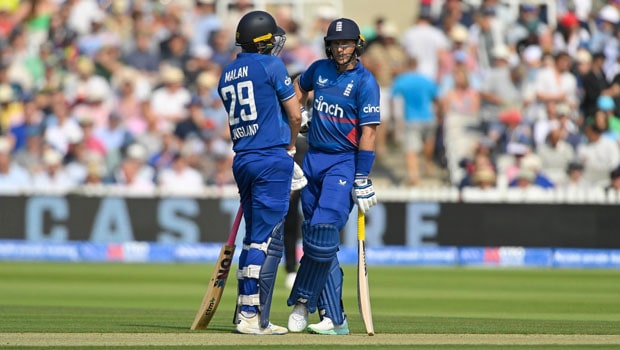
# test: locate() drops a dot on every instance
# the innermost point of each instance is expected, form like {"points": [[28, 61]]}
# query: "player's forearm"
{"points": [[302, 96], [367, 139], [293, 111]]}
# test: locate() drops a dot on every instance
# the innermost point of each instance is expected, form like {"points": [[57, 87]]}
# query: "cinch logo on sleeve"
{"points": [[371, 109], [327, 108]]}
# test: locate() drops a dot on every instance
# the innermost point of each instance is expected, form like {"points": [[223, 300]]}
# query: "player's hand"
{"points": [[299, 179], [363, 193], [305, 122]]}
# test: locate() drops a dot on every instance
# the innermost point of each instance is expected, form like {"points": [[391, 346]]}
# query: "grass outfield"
{"points": [[128, 306]]}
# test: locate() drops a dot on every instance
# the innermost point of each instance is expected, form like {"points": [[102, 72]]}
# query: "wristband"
{"points": [[363, 162]]}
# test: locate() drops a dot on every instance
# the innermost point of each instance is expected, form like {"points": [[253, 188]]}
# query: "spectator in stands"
{"points": [[143, 57], [604, 38], [555, 154], [569, 36], [459, 55], [224, 50], [592, 78], [195, 123], [133, 175], [480, 165], [557, 84], [323, 16], [531, 163], [574, 178], [426, 43], [29, 155], [486, 35], [79, 159], [510, 129], [614, 179], [32, 117], [199, 62], [606, 110], [128, 104], [420, 96], [386, 59], [484, 178], [10, 108], [176, 53], [180, 177], [91, 140], [222, 156], [462, 99], [205, 22], [96, 105], [524, 179], [529, 29], [599, 155], [168, 102], [498, 90], [52, 177], [13, 178], [61, 128], [115, 138], [76, 85], [170, 146]]}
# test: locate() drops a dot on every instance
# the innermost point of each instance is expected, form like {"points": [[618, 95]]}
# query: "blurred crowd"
{"points": [[499, 96], [122, 92]]}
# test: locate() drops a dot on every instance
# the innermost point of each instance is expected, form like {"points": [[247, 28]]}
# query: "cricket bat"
{"points": [[363, 294], [213, 295]]}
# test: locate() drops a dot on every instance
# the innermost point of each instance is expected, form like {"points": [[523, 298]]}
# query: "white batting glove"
{"points": [[299, 179], [305, 122], [363, 193]]}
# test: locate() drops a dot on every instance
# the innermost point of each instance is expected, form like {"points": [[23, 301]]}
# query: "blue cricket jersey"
{"points": [[343, 102], [251, 88]]}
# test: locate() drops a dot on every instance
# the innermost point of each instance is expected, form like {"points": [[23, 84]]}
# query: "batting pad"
{"points": [[268, 272], [330, 301], [320, 244]]}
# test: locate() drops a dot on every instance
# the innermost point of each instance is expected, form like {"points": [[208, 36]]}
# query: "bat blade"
{"points": [[213, 295], [363, 293]]}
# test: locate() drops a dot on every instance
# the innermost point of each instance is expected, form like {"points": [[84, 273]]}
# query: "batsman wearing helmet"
{"points": [[258, 94], [341, 140]]}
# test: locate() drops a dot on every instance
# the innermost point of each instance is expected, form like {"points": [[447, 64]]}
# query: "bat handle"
{"points": [[361, 227], [235, 227]]}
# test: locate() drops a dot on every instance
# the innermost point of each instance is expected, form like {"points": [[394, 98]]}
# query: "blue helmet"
{"points": [[257, 31], [344, 29]]}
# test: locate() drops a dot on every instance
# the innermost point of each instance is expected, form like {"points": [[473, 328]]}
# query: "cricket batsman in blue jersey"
{"points": [[341, 140], [264, 118]]}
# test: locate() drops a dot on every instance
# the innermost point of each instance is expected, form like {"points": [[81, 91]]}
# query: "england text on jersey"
{"points": [[240, 72], [243, 131]]}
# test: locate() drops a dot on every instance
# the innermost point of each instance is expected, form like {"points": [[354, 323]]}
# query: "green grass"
{"points": [[163, 298]]}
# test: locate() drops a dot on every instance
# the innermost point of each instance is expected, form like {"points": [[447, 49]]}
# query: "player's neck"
{"points": [[345, 67]]}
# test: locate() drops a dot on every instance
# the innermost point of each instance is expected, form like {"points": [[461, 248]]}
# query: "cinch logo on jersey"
{"points": [[327, 108], [243, 131], [371, 109]]}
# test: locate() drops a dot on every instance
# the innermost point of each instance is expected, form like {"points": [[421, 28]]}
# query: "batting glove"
{"points": [[363, 193], [299, 179], [305, 122]]}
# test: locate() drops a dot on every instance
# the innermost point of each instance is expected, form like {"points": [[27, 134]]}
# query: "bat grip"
{"points": [[235, 227], [361, 226]]}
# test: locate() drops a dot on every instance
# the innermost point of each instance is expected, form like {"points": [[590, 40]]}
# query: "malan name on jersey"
{"points": [[240, 72]]}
